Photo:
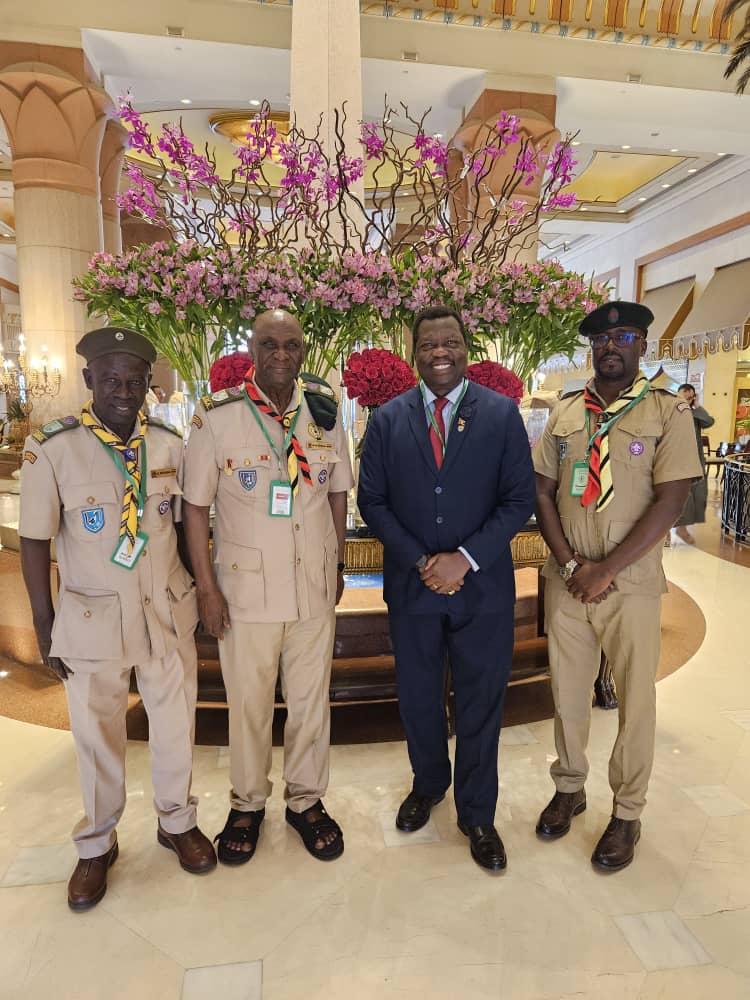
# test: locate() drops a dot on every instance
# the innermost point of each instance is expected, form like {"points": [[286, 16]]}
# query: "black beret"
{"points": [[613, 314], [115, 340]]}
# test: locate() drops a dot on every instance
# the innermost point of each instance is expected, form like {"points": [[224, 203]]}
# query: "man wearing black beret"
{"points": [[106, 486], [614, 467]]}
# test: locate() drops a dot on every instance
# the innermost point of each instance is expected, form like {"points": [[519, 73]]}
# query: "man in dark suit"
{"points": [[445, 482]]}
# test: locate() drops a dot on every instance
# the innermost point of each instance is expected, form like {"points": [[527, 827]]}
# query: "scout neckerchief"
{"points": [[125, 457], [296, 460], [442, 438], [599, 486]]}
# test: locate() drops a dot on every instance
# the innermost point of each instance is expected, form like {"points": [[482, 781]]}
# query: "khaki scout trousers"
{"points": [[252, 657], [626, 628], [97, 703]]}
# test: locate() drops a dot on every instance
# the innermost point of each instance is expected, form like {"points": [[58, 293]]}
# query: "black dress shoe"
{"points": [[486, 846], [616, 848], [415, 811], [555, 819]]}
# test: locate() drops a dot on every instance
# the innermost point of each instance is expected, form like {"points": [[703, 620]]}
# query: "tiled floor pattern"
{"points": [[420, 921]]}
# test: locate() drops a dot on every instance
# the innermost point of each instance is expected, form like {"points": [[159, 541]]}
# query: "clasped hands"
{"points": [[444, 572], [592, 582]]}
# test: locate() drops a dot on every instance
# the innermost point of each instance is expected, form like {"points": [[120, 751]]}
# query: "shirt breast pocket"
{"points": [[634, 445], [572, 443], [248, 475], [92, 510], [322, 467]]}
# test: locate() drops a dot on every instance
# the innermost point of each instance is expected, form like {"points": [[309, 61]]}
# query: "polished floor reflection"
{"points": [[412, 917]]}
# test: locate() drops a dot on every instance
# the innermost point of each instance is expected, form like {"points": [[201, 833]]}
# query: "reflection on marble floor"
{"points": [[420, 920]]}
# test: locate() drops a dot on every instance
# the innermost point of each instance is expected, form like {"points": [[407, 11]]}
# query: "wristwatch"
{"points": [[421, 562], [340, 567], [568, 569]]}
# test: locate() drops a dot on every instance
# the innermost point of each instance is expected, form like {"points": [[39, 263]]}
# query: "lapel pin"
{"points": [[461, 424]]}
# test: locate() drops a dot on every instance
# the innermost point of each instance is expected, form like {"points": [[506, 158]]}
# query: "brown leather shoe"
{"points": [[555, 818], [194, 850], [616, 847], [88, 883]]}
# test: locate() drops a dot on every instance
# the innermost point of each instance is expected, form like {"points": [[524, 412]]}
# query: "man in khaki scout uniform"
{"points": [[106, 487], [272, 456], [614, 467]]}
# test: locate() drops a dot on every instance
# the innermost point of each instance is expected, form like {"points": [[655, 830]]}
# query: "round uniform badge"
{"points": [[164, 507], [636, 448], [323, 476]]}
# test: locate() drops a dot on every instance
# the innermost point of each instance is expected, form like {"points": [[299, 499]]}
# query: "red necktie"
{"points": [[437, 445]]}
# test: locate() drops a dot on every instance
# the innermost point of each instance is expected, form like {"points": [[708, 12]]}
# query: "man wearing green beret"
{"points": [[106, 486], [614, 467]]}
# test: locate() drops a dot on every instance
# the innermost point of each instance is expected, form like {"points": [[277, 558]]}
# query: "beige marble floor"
{"points": [[412, 917]]}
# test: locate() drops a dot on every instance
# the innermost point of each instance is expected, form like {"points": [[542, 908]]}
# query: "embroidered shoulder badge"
{"points": [[54, 427], [153, 422], [30, 456], [221, 397]]}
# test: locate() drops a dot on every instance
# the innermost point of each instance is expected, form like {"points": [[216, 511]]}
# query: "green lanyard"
{"points": [[612, 420], [140, 491], [289, 433], [454, 411]]}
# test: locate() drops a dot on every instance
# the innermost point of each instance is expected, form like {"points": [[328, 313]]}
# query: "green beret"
{"points": [[115, 340], [614, 314]]}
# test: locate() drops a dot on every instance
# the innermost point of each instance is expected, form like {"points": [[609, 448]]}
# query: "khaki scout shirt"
{"points": [[269, 569], [653, 443], [72, 491]]}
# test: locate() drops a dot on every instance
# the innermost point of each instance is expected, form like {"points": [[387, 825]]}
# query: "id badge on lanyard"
{"points": [[121, 557], [579, 479], [280, 504]]}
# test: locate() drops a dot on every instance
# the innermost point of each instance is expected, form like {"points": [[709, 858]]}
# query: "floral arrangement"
{"points": [[495, 376], [359, 278], [229, 370], [375, 376]]}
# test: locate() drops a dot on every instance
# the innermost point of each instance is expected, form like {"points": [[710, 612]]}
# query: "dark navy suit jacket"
{"points": [[483, 494]]}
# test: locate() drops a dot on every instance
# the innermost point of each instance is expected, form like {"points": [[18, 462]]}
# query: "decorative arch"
{"points": [[720, 27], [668, 18], [615, 13]]}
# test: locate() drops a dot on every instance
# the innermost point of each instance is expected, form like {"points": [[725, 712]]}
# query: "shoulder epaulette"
{"points": [[49, 430], [214, 399], [322, 401], [663, 388], [154, 422], [571, 394]]}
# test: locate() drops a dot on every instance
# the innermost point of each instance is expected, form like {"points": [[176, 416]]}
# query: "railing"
{"points": [[735, 507]]}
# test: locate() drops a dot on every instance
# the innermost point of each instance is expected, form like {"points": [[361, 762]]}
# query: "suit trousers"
{"points": [[480, 649], [253, 656], [97, 704], [626, 628]]}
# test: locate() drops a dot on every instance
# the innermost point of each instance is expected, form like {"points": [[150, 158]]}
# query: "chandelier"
{"points": [[38, 379]]}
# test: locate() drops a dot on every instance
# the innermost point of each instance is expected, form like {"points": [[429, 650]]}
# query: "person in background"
{"points": [[445, 482], [106, 485], [694, 511], [613, 469]]}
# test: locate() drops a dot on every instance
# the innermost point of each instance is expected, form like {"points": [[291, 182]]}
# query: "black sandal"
{"points": [[239, 835], [312, 830]]}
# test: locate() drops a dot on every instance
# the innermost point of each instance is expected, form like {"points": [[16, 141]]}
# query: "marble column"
{"points": [[111, 159], [55, 123], [327, 69]]}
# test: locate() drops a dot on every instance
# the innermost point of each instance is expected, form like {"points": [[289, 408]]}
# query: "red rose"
{"points": [[494, 376]]}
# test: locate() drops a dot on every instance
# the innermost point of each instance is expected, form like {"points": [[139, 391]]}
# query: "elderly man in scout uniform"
{"points": [[614, 467], [272, 456], [105, 486]]}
